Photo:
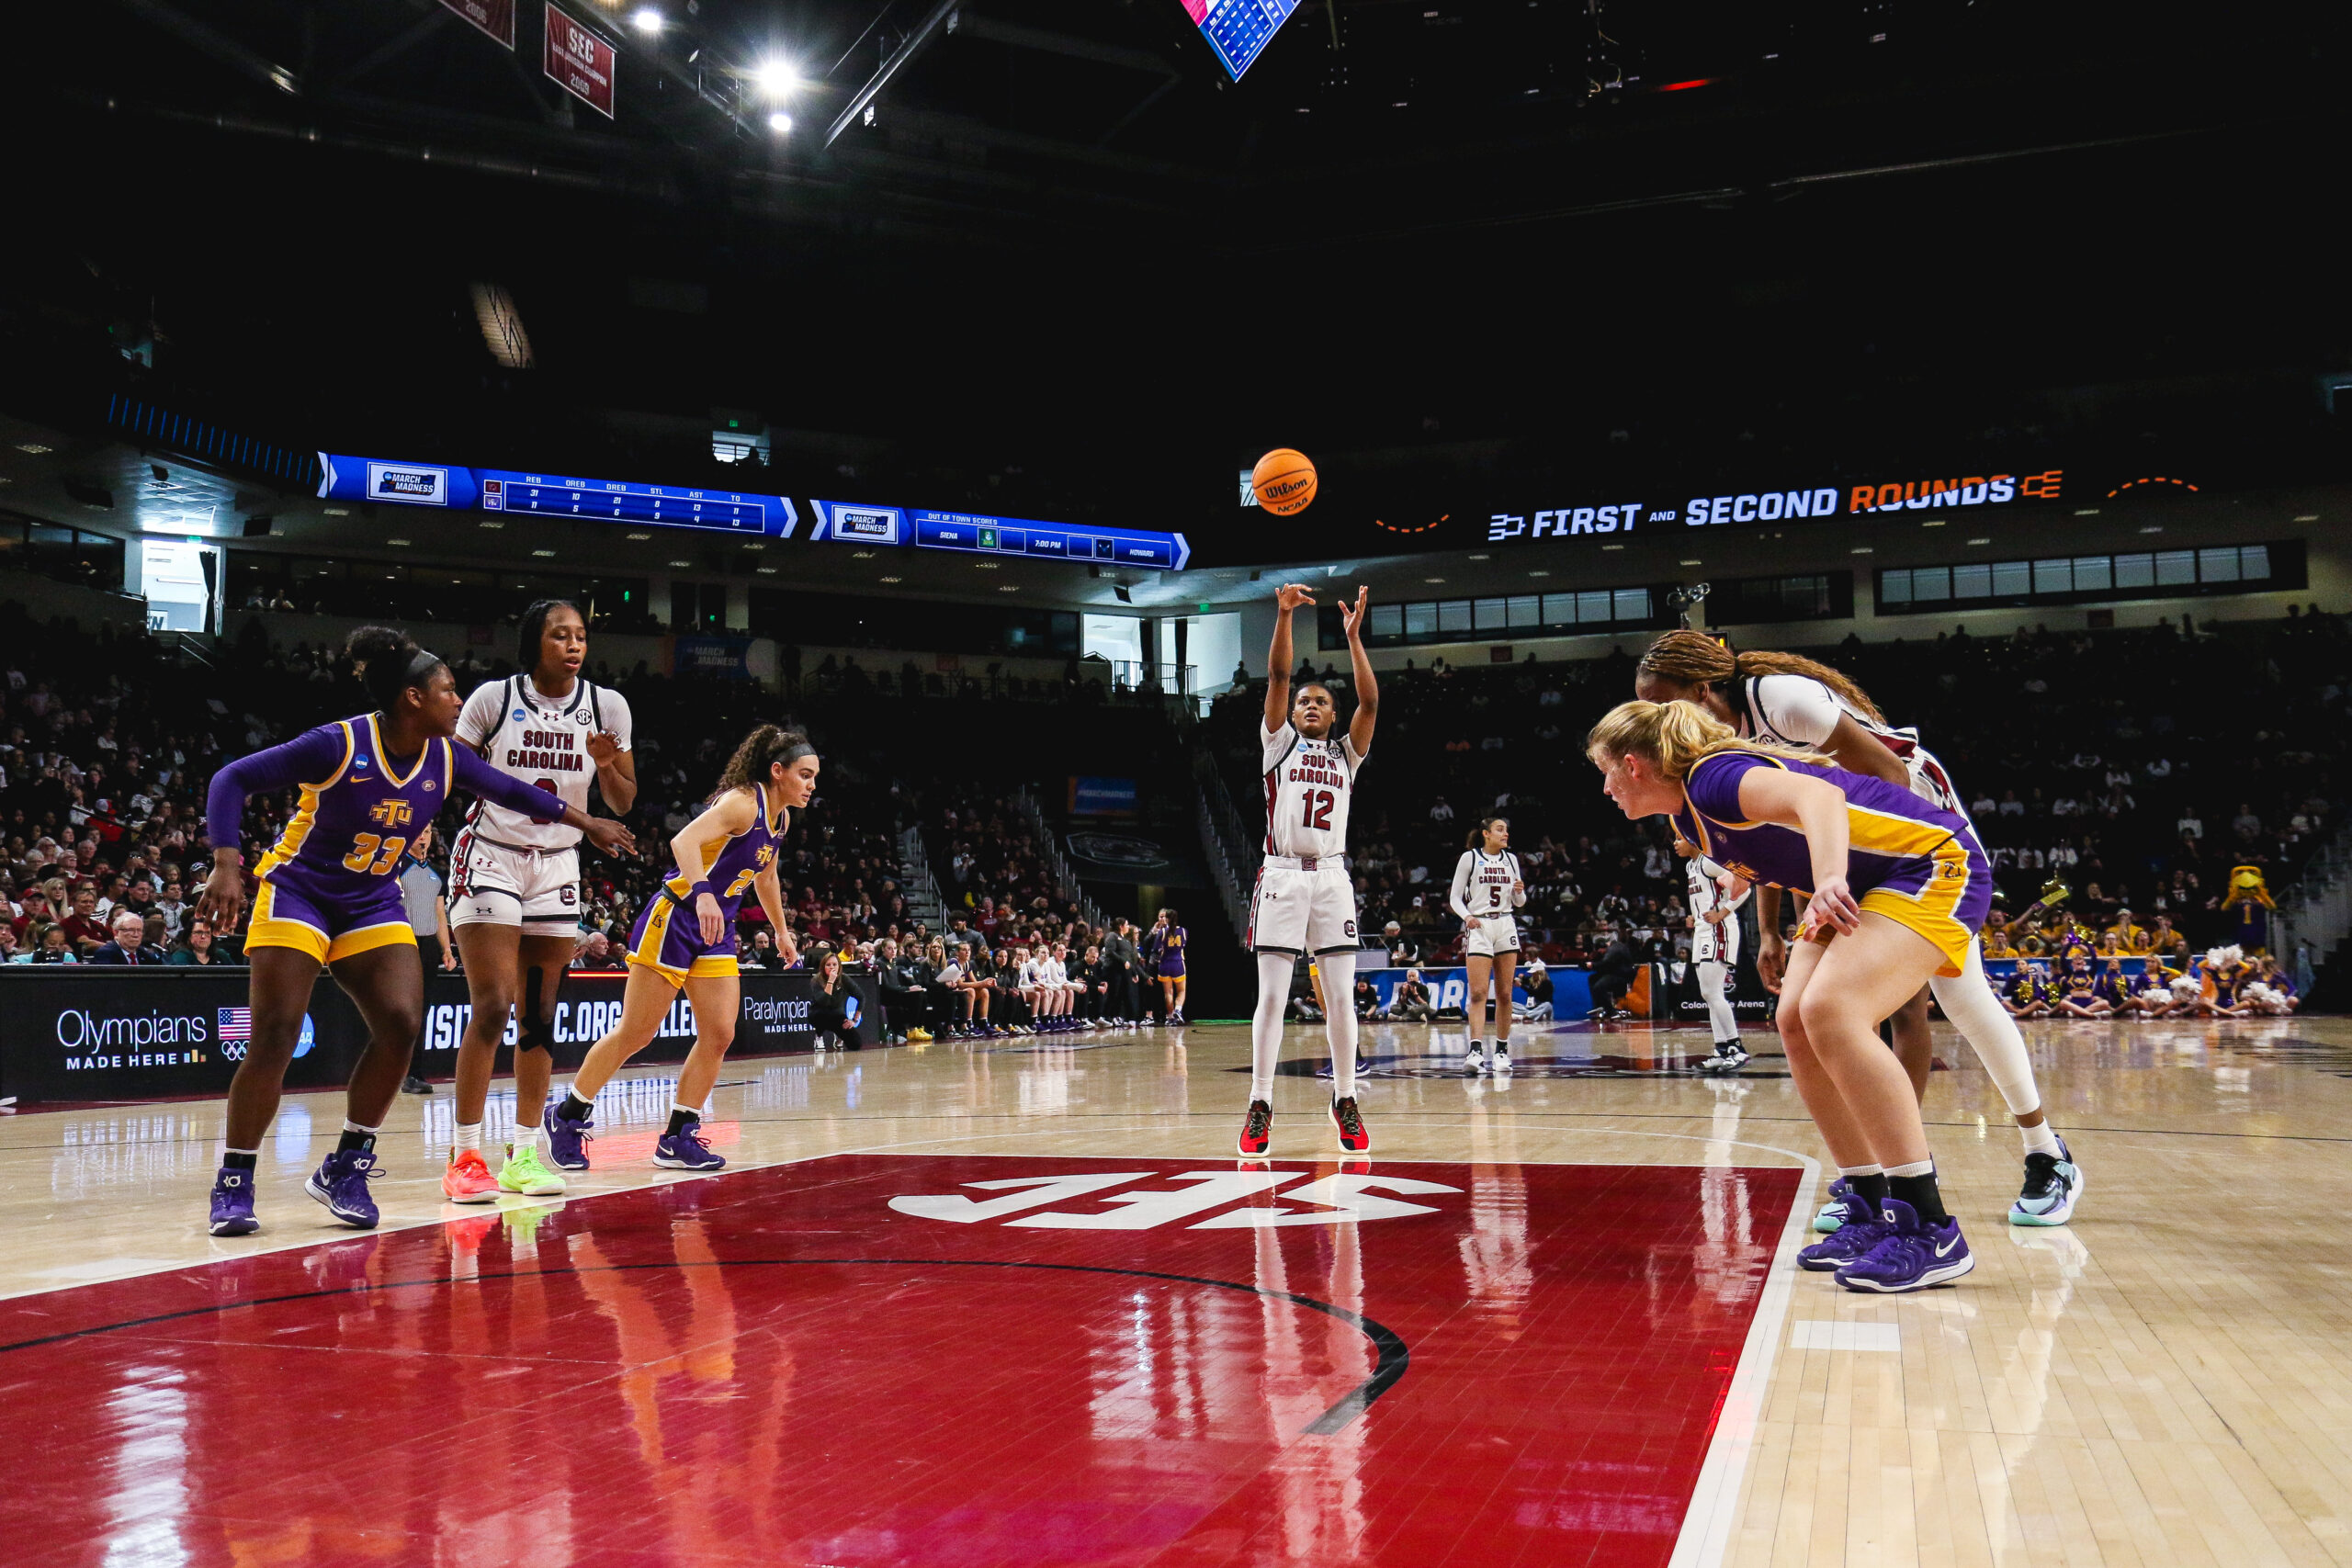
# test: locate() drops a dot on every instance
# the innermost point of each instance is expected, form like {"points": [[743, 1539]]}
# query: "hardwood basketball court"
{"points": [[1022, 1305]]}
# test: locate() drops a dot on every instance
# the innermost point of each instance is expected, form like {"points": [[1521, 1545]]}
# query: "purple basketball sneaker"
{"points": [[568, 1140], [232, 1203], [1911, 1255], [341, 1183], [1850, 1243], [685, 1150]]}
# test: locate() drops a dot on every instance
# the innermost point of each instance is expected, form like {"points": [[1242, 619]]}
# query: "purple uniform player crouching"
{"points": [[1898, 887], [329, 898], [684, 939]]}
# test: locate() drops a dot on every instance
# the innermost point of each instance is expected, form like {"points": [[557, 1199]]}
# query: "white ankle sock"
{"points": [[2040, 1140], [467, 1135]]}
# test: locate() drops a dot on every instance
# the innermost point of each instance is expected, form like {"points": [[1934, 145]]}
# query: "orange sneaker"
{"points": [[467, 1178]]}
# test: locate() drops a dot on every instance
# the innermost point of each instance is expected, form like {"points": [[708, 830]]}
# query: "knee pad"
{"points": [[532, 1033]]}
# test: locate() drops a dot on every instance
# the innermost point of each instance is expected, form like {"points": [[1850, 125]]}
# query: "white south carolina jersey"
{"points": [[544, 742], [1307, 787], [1802, 711], [1706, 892], [1483, 884]]}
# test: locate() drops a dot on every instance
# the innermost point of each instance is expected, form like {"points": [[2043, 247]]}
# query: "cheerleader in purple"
{"points": [[1898, 887], [327, 897]]}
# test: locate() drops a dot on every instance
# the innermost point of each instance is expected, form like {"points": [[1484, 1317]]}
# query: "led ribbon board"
{"points": [[856, 522], [1959, 491], [554, 495], [1238, 30]]}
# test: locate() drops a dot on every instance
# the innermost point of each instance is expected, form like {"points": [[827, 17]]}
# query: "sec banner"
{"points": [[579, 61]]}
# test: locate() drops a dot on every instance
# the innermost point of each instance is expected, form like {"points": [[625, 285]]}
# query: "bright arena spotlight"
{"points": [[1170, 783]]}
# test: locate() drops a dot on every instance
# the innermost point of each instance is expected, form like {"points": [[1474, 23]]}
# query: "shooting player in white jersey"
{"points": [[1305, 902]]}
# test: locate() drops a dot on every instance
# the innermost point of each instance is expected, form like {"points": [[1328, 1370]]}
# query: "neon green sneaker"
{"points": [[522, 1224], [524, 1172]]}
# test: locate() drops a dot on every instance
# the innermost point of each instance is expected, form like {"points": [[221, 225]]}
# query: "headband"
{"points": [[420, 668], [794, 752]]}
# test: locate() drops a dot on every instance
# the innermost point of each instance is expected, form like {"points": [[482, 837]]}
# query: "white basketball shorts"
{"points": [[1716, 944], [492, 885], [1304, 911], [1484, 936]]}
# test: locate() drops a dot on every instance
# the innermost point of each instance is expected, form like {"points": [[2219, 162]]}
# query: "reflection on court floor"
{"points": [[877, 1360]]}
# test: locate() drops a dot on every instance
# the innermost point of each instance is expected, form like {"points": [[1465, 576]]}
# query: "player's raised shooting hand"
{"points": [[1291, 595], [1353, 613]]}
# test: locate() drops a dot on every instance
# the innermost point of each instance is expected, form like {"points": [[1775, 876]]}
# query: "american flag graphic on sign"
{"points": [[236, 1023]]}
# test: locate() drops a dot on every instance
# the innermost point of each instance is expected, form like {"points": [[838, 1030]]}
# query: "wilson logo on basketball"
{"points": [[1031, 1201]]}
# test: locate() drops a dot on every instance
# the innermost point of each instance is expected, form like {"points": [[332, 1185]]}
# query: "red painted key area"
{"points": [[778, 1366]]}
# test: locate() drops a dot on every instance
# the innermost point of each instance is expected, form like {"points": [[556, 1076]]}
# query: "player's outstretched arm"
{"points": [[1289, 598], [1360, 665]]}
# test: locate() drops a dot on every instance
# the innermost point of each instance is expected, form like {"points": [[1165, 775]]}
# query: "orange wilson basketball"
{"points": [[1285, 481]]}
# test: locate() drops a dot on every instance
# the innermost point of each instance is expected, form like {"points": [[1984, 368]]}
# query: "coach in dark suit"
{"points": [[129, 943]]}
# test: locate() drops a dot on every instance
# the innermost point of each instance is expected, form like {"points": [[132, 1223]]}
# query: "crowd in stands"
{"points": [[2138, 766], [108, 741]]}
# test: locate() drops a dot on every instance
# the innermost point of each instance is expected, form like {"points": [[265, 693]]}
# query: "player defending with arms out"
{"points": [[1794, 701], [1898, 888], [1487, 887], [328, 899], [684, 939], [1305, 902], [514, 884]]}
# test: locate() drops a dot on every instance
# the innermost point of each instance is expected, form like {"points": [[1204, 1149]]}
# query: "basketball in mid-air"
{"points": [[1283, 480]]}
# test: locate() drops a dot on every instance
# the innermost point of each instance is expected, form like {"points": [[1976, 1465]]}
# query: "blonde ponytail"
{"points": [[1676, 735]]}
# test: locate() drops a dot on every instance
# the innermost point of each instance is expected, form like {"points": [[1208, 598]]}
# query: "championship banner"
{"points": [[149, 1033], [495, 17], [579, 61]]}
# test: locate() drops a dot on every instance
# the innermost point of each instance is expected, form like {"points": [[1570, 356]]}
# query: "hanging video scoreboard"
{"points": [[1238, 30], [856, 522], [555, 495]]}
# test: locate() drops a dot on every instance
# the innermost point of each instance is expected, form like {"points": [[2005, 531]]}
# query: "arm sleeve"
{"points": [[1713, 785], [1458, 897], [505, 789], [1799, 708], [478, 720], [309, 757]]}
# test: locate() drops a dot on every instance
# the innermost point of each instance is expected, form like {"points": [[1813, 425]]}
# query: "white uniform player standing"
{"points": [[1306, 901], [515, 896], [1488, 885], [507, 870], [1714, 956]]}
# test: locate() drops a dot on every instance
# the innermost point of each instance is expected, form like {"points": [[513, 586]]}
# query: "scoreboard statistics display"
{"points": [[1238, 30], [554, 495], [856, 522]]}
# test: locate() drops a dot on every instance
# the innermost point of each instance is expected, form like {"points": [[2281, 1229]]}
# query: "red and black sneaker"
{"points": [[1257, 1130], [1353, 1139]]}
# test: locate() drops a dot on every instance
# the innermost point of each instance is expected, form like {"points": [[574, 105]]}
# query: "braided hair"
{"points": [[389, 663]]}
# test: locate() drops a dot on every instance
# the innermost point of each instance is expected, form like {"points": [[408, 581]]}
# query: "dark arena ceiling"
{"points": [[1050, 256]]}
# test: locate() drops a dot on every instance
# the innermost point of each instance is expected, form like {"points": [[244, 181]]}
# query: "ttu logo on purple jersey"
{"points": [[236, 1032]]}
